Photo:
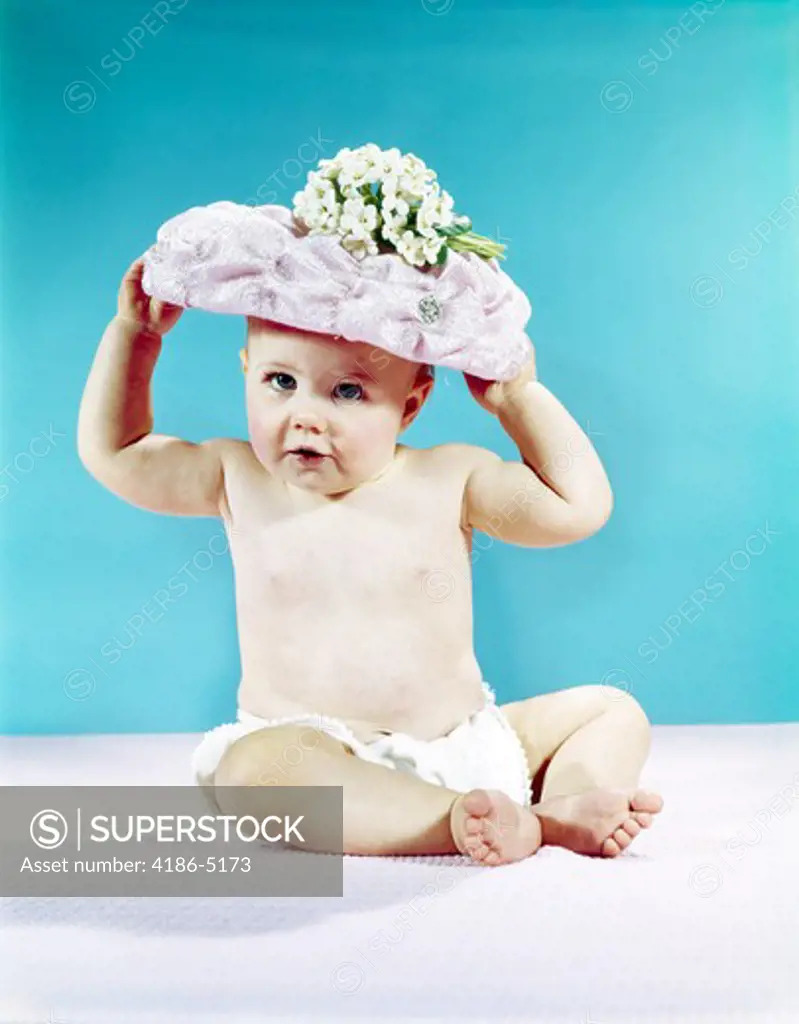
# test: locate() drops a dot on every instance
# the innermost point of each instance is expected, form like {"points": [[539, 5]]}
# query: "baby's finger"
{"points": [[170, 308], [131, 280], [135, 270]]}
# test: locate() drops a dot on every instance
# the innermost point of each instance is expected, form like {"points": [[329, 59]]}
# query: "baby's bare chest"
{"points": [[335, 553]]}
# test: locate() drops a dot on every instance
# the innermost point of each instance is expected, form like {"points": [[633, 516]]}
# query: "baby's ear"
{"points": [[426, 376]]}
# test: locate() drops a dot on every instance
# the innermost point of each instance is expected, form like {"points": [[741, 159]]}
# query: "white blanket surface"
{"points": [[697, 922]]}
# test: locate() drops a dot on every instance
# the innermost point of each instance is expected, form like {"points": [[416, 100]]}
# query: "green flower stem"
{"points": [[479, 244]]}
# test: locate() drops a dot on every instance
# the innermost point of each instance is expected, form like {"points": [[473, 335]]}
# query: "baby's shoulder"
{"points": [[233, 445], [451, 465], [456, 456], [240, 468], [233, 453]]}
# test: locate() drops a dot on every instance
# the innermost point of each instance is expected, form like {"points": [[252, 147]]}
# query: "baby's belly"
{"points": [[414, 674], [363, 614]]}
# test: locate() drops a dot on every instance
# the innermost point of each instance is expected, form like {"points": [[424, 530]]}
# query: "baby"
{"points": [[351, 554]]}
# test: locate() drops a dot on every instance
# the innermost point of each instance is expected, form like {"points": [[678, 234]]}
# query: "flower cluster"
{"points": [[383, 201]]}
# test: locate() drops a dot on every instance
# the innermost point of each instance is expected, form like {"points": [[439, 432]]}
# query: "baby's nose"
{"points": [[308, 419]]}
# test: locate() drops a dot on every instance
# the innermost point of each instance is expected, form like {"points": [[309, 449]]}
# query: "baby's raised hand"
{"points": [[135, 306], [494, 396]]}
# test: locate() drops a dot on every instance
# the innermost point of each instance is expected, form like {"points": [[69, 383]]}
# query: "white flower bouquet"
{"points": [[384, 201]]}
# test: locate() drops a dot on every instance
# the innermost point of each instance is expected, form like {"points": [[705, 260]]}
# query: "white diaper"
{"points": [[483, 752]]}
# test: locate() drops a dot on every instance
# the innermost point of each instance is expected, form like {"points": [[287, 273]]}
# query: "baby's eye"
{"points": [[348, 390], [280, 379]]}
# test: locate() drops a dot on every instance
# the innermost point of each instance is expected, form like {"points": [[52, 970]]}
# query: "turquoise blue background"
{"points": [[628, 154]]}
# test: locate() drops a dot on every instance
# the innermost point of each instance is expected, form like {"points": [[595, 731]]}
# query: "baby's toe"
{"points": [[643, 818], [641, 800], [610, 848], [492, 857], [476, 850], [474, 826], [632, 828], [622, 839], [477, 802], [492, 833]]}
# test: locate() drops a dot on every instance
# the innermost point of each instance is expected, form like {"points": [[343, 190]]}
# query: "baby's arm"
{"points": [[115, 439], [558, 494]]}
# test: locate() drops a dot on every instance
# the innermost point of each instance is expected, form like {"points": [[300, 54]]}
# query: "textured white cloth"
{"points": [[482, 752], [692, 925]]}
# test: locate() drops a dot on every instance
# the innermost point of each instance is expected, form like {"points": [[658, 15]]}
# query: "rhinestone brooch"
{"points": [[429, 309]]}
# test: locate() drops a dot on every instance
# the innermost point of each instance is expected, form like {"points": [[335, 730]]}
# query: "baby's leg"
{"points": [[582, 738], [586, 747], [385, 811]]}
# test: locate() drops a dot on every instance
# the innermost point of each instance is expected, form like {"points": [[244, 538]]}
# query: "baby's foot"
{"points": [[492, 829], [599, 822]]}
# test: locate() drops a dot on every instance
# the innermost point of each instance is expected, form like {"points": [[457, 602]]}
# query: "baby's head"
{"points": [[347, 400]]}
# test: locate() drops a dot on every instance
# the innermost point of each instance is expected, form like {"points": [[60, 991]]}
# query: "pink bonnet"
{"points": [[261, 261]]}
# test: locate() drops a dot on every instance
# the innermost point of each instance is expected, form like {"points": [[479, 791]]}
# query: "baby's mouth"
{"points": [[309, 455]]}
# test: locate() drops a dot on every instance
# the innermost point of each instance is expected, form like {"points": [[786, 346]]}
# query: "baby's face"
{"points": [[346, 400]]}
